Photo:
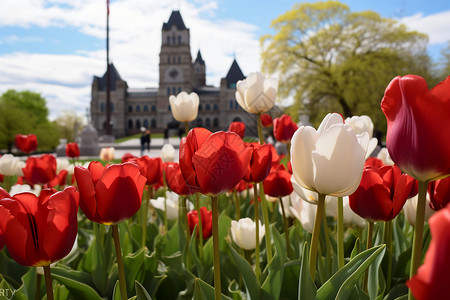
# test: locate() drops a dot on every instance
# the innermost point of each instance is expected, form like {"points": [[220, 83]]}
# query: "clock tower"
{"points": [[175, 61]]}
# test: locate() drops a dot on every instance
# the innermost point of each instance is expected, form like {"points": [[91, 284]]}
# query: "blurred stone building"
{"points": [[133, 108]]}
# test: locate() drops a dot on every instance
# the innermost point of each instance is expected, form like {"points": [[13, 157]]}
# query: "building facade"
{"points": [[133, 108]]}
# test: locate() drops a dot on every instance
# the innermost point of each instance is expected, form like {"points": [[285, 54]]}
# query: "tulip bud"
{"points": [[256, 94], [184, 106], [243, 233]]}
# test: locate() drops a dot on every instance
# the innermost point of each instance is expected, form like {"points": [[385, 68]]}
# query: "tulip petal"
{"points": [[303, 143], [88, 201]]}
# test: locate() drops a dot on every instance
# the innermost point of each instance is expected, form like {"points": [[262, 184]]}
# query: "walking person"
{"points": [[145, 141]]}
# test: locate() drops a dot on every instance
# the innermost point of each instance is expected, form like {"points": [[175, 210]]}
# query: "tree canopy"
{"points": [[22, 113], [331, 59]]}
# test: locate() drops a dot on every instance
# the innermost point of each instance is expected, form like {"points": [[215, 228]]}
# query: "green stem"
{"points": [[48, 282], [186, 127], [237, 203], [340, 233], [145, 216], [268, 235], [166, 221], [256, 208], [368, 246], [122, 282], [260, 132], [286, 229], [200, 226], [215, 232], [416, 256], [184, 218], [388, 241], [315, 236], [329, 248]]}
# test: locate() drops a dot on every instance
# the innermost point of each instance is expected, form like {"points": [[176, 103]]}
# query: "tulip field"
{"points": [[232, 218]]}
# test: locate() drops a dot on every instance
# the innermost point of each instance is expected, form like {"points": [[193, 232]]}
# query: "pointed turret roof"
{"points": [[113, 78], [234, 74], [175, 20], [199, 58]]}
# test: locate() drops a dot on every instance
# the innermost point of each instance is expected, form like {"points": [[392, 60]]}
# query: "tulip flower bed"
{"points": [[235, 220]]}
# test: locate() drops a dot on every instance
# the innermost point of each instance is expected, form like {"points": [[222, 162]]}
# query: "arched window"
{"points": [[153, 108], [173, 39], [208, 107], [168, 91], [237, 119], [179, 39], [169, 108], [199, 122], [138, 108], [145, 107], [179, 59], [102, 107], [130, 124], [179, 89], [216, 122], [153, 123], [168, 40], [174, 90], [236, 104], [200, 107], [130, 108], [145, 124], [216, 107], [208, 122], [231, 104], [138, 123]]}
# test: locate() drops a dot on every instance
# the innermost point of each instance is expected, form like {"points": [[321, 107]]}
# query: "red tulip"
{"points": [[266, 120], [278, 183], [439, 192], [128, 157], [206, 216], [417, 118], [40, 169], [213, 163], [40, 230], [284, 128], [242, 186], [4, 193], [381, 194], [60, 179], [238, 128], [110, 194], [26, 143], [175, 179], [260, 163], [373, 161], [72, 150], [431, 280], [151, 168]]}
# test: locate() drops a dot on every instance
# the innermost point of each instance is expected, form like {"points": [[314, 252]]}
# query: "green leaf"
{"points": [[235, 291], [306, 287], [340, 285], [7, 290], [249, 277], [28, 287], [77, 289], [373, 284], [272, 284], [355, 250], [203, 291], [116, 292], [141, 292]]}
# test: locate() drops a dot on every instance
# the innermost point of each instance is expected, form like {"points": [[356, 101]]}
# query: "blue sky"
{"points": [[55, 47]]}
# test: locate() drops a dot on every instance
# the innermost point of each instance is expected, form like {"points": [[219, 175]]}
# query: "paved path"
{"points": [[133, 146]]}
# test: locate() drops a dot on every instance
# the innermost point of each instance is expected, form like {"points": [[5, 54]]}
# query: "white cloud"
{"points": [[436, 26], [135, 41]]}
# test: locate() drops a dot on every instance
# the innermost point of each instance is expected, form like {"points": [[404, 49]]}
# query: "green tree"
{"points": [[69, 125], [331, 59], [22, 113], [445, 58]]}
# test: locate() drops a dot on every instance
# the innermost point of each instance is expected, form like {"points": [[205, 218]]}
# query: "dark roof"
{"points": [[234, 74], [199, 58], [114, 77], [175, 20]]}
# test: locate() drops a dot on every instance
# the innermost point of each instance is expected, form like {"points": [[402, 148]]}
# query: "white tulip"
{"points": [[304, 211], [62, 164], [11, 165], [256, 94], [107, 154], [329, 160], [384, 156], [168, 153], [21, 188], [410, 208], [362, 124], [184, 106], [172, 206], [243, 233]]}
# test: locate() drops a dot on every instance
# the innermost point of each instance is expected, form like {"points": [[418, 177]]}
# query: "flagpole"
{"points": [[108, 127]]}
